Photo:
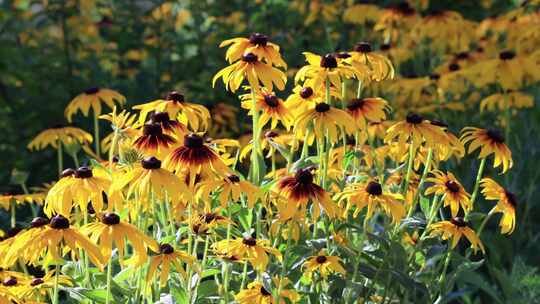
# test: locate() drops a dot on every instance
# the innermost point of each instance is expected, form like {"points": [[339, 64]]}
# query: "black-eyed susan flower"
{"points": [[299, 190], [59, 135], [490, 141], [254, 70], [502, 102], [111, 229], [56, 240], [372, 196], [455, 195], [325, 122], [257, 293], [190, 114], [324, 264], [270, 141], [364, 110], [320, 69], [168, 125], [167, 258], [302, 99], [150, 180], [362, 13], [195, 155], [258, 44], [377, 66], [255, 251], [454, 229], [272, 109], [92, 98], [416, 129], [153, 141], [395, 20], [124, 129], [10, 254], [230, 188], [39, 287], [451, 147], [76, 187], [206, 221], [506, 203]]}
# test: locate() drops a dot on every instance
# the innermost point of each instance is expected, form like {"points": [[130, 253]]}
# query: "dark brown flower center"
{"points": [[321, 259], [83, 172], [258, 39], [452, 186], [434, 76], [11, 281], [68, 172], [414, 118], [39, 222], [151, 163], [386, 46], [193, 141], [166, 249], [507, 55], [271, 134], [328, 61], [403, 8], [265, 292], [91, 91], [342, 55], [36, 281], [233, 178], [249, 241], [495, 135], [322, 107], [271, 100], [249, 57], [512, 198], [152, 129], [439, 123], [304, 176], [306, 92], [458, 221], [110, 218], [355, 104], [363, 47], [59, 222], [374, 188], [175, 96], [462, 55], [453, 67], [160, 117]]}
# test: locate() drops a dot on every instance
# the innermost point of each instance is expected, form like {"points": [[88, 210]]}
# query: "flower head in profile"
{"points": [[258, 44], [39, 287], [416, 129], [320, 69], [230, 188], [454, 230], [59, 135], [325, 122], [271, 107], [501, 102], [93, 98], [506, 203], [255, 251], [364, 110], [299, 190], [167, 258], [490, 141], [324, 264], [455, 195], [302, 99], [256, 72], [256, 292], [152, 140], [369, 65], [110, 229]]}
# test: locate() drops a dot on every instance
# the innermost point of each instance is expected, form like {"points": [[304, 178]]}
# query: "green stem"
{"points": [[13, 211], [256, 174], [445, 267], [244, 276], [109, 279], [483, 224], [284, 265], [96, 135], [427, 167], [60, 158], [410, 162], [477, 182], [55, 292]]}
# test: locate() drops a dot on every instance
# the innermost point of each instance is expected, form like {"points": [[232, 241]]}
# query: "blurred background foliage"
{"points": [[51, 50]]}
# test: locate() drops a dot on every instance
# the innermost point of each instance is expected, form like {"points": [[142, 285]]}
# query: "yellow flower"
{"points": [[362, 14], [206, 221], [258, 44], [111, 229], [76, 186], [320, 69], [59, 134], [192, 115], [302, 99], [372, 196], [57, 239], [39, 287], [417, 129], [506, 203], [299, 189], [19, 199], [271, 106], [367, 110], [325, 121], [270, 141], [10, 254], [455, 229], [455, 195], [511, 99], [153, 141], [323, 263], [249, 249], [254, 70], [370, 66], [230, 189], [92, 98], [256, 293], [490, 141], [123, 124], [166, 258], [395, 21]]}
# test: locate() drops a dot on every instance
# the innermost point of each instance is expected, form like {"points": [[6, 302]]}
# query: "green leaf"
{"points": [[478, 281]]}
